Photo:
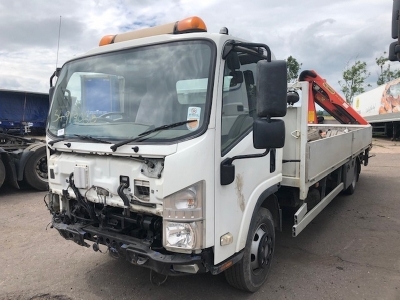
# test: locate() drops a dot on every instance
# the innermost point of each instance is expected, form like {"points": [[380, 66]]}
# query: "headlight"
{"points": [[180, 235], [183, 237], [184, 220]]}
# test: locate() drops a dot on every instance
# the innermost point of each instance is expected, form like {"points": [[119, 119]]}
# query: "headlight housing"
{"points": [[183, 219], [180, 235]]}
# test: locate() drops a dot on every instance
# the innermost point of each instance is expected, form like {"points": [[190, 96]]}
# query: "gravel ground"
{"points": [[350, 251]]}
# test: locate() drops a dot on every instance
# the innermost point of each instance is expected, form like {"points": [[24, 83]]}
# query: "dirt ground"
{"points": [[350, 251], [385, 145]]}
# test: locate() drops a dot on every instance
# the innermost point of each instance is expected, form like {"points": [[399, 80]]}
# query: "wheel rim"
{"points": [[261, 250], [354, 182], [41, 168]]}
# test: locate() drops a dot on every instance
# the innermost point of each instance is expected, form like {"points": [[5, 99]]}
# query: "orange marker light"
{"points": [[190, 25], [106, 40]]}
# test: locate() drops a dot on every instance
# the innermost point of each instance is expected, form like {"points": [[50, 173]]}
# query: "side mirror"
{"points": [[271, 102], [268, 134], [237, 77], [271, 88], [395, 19], [394, 52], [292, 97], [394, 49]]}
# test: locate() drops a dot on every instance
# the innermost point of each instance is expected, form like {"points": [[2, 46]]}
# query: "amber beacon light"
{"points": [[192, 24]]}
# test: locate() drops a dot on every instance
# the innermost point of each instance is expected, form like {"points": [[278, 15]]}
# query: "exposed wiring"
{"points": [[153, 277], [81, 201], [44, 200], [49, 224]]}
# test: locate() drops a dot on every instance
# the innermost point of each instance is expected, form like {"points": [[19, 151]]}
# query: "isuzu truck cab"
{"points": [[166, 148]]}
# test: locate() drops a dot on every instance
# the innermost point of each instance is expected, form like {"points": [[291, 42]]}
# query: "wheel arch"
{"points": [[28, 152], [10, 168], [359, 164], [271, 203], [266, 199]]}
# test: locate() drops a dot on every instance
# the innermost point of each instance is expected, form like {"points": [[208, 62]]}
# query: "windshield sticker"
{"points": [[60, 132], [193, 114]]}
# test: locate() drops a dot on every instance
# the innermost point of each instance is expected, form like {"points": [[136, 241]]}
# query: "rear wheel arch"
{"points": [[357, 169], [359, 164]]}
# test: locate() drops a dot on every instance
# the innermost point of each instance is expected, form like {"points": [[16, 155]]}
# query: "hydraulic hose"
{"points": [[124, 198], [80, 199]]}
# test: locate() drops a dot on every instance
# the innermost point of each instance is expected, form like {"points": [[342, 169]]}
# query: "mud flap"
{"points": [[11, 170], [366, 157]]}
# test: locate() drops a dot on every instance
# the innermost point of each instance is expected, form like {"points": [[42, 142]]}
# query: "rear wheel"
{"points": [[35, 172], [352, 187], [2, 173], [251, 272]]}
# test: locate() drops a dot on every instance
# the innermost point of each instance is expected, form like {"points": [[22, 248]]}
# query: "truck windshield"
{"points": [[119, 95]]}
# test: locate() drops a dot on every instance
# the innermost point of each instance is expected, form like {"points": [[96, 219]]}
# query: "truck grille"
{"points": [[142, 190]]}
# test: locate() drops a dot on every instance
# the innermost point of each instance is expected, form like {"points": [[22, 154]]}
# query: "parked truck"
{"points": [[23, 160], [23, 112], [192, 154], [381, 108], [22, 157]]}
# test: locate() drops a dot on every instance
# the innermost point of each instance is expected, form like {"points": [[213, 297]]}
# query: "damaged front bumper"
{"points": [[137, 251]]}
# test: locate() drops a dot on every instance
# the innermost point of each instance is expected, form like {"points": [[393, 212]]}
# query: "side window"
{"points": [[238, 102]]}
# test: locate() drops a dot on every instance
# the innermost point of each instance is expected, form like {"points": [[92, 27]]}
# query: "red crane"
{"points": [[321, 93]]}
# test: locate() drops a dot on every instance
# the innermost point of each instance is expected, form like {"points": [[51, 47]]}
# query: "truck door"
{"points": [[235, 202]]}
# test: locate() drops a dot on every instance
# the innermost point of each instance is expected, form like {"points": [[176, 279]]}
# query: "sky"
{"points": [[325, 36]]}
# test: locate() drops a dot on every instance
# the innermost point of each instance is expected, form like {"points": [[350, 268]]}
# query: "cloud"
{"points": [[324, 36]]}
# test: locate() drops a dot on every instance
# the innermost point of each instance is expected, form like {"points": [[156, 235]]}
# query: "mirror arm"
{"points": [[229, 160], [253, 47], [51, 79], [227, 49], [257, 45], [228, 170], [55, 74]]}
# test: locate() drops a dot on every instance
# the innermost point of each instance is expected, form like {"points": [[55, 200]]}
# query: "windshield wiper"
{"points": [[82, 137], [51, 143], [145, 133], [88, 137]]}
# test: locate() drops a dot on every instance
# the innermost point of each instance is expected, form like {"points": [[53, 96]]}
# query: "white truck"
{"points": [[193, 151], [381, 108]]}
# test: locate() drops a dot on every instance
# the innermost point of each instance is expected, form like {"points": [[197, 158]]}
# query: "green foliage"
{"points": [[386, 73], [353, 80], [293, 68]]}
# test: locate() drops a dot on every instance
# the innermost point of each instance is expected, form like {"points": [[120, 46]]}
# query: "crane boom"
{"points": [[321, 93]]}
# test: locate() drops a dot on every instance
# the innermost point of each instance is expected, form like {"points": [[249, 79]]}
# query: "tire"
{"points": [[352, 187], [2, 173], [251, 272], [35, 172]]}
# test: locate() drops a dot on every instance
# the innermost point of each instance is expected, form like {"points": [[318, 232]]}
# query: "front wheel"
{"points": [[250, 273]]}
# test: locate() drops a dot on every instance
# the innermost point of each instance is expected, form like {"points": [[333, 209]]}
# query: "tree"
{"points": [[293, 68], [386, 73], [353, 80]]}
